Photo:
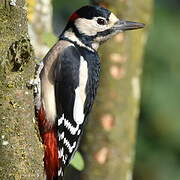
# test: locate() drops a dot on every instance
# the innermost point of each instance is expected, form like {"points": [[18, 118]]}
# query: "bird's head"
{"points": [[94, 25]]}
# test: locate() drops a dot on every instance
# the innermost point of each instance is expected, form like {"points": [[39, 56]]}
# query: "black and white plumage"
{"points": [[76, 82], [67, 82]]}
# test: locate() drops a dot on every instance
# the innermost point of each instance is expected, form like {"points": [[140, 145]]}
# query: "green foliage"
{"points": [[78, 162]]}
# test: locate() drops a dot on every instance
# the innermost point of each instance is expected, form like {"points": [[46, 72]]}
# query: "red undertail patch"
{"points": [[51, 162], [49, 138]]}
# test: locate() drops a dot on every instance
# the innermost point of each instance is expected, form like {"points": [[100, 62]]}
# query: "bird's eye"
{"points": [[101, 21]]}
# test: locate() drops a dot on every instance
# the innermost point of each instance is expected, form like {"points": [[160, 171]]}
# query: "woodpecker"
{"points": [[67, 82]]}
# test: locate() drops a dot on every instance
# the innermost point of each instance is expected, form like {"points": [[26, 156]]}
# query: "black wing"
{"points": [[66, 82]]}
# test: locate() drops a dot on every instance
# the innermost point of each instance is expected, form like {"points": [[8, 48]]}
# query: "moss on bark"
{"points": [[20, 149]]}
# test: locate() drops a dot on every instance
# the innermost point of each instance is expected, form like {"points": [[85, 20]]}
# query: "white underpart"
{"points": [[49, 101], [47, 80], [70, 35], [48, 95]]}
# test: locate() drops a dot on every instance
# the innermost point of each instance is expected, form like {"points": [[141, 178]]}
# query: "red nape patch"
{"points": [[51, 162], [74, 16]]}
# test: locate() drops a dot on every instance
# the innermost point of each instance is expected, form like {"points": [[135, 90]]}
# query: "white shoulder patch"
{"points": [[80, 93]]}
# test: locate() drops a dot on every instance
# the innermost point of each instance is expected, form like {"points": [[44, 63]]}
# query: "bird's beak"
{"points": [[127, 25]]}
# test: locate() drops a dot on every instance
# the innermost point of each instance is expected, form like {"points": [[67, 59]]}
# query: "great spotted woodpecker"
{"points": [[67, 81]]}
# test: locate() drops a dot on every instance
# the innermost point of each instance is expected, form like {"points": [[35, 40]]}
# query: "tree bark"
{"points": [[21, 152], [109, 145]]}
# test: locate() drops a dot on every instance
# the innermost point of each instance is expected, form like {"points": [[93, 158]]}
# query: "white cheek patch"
{"points": [[86, 26], [112, 21], [90, 27]]}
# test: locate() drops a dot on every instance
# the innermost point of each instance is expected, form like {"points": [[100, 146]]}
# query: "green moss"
{"points": [[12, 27], [21, 158]]}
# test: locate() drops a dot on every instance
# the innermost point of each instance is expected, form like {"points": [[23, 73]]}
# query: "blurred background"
{"points": [[158, 142], [158, 136]]}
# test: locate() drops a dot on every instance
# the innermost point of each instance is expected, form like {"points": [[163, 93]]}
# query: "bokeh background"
{"points": [[158, 142]]}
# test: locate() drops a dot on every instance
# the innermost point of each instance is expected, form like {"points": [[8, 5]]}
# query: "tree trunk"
{"points": [[109, 145], [21, 152]]}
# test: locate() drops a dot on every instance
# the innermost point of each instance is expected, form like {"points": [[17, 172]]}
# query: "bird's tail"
{"points": [[49, 138]]}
